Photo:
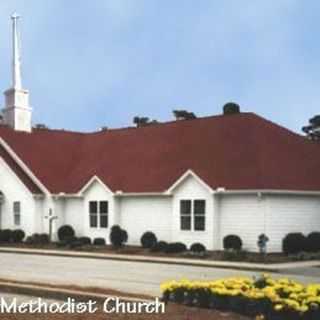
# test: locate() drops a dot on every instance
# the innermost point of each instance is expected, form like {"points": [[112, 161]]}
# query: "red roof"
{"points": [[242, 151]]}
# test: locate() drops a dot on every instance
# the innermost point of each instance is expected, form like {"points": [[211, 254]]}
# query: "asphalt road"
{"points": [[133, 277]]}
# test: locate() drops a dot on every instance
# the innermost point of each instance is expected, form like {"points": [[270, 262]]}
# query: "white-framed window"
{"points": [[193, 215], [17, 213], [98, 214]]}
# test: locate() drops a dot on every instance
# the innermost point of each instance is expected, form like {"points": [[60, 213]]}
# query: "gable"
{"points": [[191, 187], [23, 177], [10, 182]]}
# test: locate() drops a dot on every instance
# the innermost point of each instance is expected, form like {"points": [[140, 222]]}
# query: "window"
{"points": [[185, 214], [199, 210], [93, 212], [103, 214], [17, 213], [98, 213], [192, 215]]}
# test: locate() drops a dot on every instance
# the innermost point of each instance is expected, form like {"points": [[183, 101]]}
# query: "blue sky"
{"points": [[98, 63]]}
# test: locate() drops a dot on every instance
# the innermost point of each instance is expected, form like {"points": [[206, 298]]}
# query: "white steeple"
{"points": [[16, 63], [17, 112]]}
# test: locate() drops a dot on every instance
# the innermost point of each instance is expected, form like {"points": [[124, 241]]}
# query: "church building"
{"points": [[188, 180]]}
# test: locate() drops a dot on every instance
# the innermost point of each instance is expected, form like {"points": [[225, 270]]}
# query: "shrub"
{"points": [[148, 240], [29, 240], [38, 239], [160, 246], [85, 240], [124, 235], [235, 255], [118, 236], [313, 242], [198, 248], [99, 242], [44, 238], [69, 240], [76, 243], [17, 235], [232, 242], [176, 247], [5, 235], [294, 243], [65, 231]]}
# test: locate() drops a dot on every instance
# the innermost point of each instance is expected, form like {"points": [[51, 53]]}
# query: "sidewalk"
{"points": [[275, 267]]}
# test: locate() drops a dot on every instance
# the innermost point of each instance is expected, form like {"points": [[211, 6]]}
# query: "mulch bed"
{"points": [[173, 312], [253, 257]]}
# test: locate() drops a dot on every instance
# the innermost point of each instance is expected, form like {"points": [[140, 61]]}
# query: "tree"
{"points": [[313, 129], [143, 121], [184, 115], [231, 108]]}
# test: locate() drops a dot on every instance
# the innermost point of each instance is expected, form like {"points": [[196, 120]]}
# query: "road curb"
{"points": [[142, 259]]}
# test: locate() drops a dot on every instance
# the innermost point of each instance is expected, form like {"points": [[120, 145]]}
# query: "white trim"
{"points": [[24, 167], [91, 180], [185, 176], [142, 194], [63, 195], [269, 191]]}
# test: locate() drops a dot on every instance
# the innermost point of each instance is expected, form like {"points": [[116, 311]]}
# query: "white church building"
{"points": [[186, 180]]}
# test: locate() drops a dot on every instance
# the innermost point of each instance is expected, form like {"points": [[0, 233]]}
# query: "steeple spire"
{"points": [[16, 60], [17, 111]]}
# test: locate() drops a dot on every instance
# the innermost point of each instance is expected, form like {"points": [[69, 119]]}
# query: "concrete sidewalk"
{"points": [[274, 267]]}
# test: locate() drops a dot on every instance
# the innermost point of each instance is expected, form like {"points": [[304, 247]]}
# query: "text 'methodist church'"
{"points": [[188, 180]]}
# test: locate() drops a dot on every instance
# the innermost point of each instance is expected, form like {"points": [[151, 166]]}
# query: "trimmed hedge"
{"points": [[148, 240], [176, 247], [65, 232], [198, 248], [85, 241], [294, 243], [118, 236], [17, 236], [313, 242], [232, 242], [160, 246], [38, 239], [5, 235], [99, 242]]}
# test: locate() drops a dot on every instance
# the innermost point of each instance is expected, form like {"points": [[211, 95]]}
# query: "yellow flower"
{"points": [[278, 307]]}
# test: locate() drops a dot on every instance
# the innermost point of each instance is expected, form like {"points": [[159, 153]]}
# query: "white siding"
{"points": [[141, 214], [275, 215], [291, 214], [192, 189], [14, 190], [75, 215], [242, 215]]}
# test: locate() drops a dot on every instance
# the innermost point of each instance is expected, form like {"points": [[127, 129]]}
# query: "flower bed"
{"points": [[263, 298]]}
